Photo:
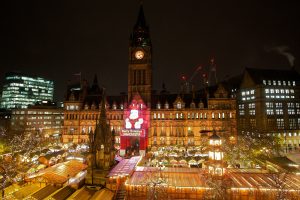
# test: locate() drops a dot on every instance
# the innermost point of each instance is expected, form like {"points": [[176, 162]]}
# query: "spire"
{"points": [[140, 35], [102, 119], [141, 20]]}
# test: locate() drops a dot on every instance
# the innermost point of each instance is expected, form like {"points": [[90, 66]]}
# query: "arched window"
{"points": [[166, 105], [179, 105], [158, 106]]}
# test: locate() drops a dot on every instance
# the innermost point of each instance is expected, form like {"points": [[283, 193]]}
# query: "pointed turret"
{"points": [[141, 20], [140, 35], [103, 140], [95, 89], [101, 127], [102, 118]]}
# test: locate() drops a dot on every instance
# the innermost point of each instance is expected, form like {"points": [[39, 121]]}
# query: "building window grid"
{"points": [[292, 123], [280, 123]]}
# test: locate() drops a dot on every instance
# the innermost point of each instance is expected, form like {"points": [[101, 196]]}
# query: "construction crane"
{"points": [[208, 75]]}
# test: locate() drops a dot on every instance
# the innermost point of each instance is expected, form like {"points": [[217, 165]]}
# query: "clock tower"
{"points": [[140, 61]]}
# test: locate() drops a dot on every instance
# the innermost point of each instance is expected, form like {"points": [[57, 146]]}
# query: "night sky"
{"points": [[55, 39]]}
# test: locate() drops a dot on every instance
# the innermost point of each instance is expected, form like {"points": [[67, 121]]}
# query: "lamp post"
{"points": [[286, 145]]}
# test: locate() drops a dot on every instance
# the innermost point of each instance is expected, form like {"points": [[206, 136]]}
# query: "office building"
{"points": [[20, 90]]}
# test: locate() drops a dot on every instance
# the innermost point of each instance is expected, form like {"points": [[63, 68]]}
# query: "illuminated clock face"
{"points": [[139, 55]]}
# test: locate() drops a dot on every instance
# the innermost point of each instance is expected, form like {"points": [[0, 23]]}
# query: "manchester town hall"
{"points": [[144, 119]]}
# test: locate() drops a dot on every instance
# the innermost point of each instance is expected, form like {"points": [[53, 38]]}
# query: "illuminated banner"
{"points": [[133, 132]]}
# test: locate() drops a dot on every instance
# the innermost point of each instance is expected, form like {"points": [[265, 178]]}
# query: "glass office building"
{"points": [[20, 90]]}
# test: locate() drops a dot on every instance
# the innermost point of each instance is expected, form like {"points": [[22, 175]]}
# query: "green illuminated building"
{"points": [[20, 90]]}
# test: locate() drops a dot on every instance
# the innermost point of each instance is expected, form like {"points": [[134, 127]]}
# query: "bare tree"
{"points": [[156, 185], [218, 186], [282, 190]]}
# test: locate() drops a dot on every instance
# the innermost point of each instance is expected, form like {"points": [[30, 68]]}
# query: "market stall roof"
{"points": [[23, 192], [44, 192], [103, 194], [194, 177], [125, 167], [265, 180], [59, 173], [176, 177]]}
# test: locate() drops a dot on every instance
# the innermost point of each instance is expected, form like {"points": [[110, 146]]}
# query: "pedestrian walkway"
{"points": [[295, 157]]}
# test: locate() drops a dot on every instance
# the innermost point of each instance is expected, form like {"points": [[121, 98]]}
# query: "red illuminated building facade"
{"points": [[134, 136]]}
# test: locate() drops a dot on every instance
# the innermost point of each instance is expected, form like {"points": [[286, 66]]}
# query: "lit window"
{"points": [[178, 105], [270, 112], [269, 104], [279, 82], [252, 112], [278, 105], [280, 123], [279, 111], [158, 106], [266, 90], [166, 106]]}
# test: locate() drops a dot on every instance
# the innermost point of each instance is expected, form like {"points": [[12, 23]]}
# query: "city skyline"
{"points": [[57, 40]]}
